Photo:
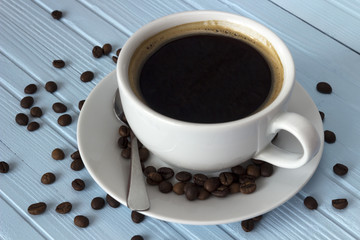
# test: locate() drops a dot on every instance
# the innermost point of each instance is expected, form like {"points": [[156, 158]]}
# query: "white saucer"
{"points": [[97, 135]]}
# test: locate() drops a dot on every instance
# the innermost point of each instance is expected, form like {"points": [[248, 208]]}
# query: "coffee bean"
{"points": [[137, 237], [165, 187], [234, 187], [81, 221], [58, 154], [64, 120], [27, 102], [118, 52], [30, 89], [221, 191], [51, 86], [97, 52], [36, 112], [256, 161], [240, 170], [340, 203], [59, 107], [123, 142], [48, 178], [322, 115], [4, 167], [33, 126], [329, 136], [253, 170], [58, 63], [144, 154], [75, 155], [324, 87], [310, 203], [226, 178], [77, 165], [80, 104], [212, 183], [126, 153], [155, 177], [191, 191], [166, 172], [114, 58], [137, 217], [199, 179], [63, 208], [340, 169], [112, 202], [257, 218], [248, 187], [124, 131], [183, 176], [148, 170], [56, 14], [21, 119], [37, 208], [151, 182], [203, 194], [178, 188], [246, 178], [78, 184], [87, 76], [266, 169], [97, 203], [248, 225], [107, 48]]}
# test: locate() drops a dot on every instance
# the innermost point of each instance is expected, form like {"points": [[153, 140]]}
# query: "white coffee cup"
{"points": [[212, 147]]}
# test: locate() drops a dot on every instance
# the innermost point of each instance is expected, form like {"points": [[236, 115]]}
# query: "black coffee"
{"points": [[205, 79]]}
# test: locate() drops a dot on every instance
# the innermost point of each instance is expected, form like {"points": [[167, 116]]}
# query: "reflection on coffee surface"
{"points": [[207, 76]]}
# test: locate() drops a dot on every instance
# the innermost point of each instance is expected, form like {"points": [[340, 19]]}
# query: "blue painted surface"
{"points": [[324, 45]]}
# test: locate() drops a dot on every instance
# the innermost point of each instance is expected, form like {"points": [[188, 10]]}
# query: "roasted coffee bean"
{"points": [[137, 237], [246, 178], [248, 225], [56, 14], [178, 188], [118, 52], [221, 191], [322, 115], [58, 154], [165, 187], [107, 48], [64, 120], [78, 184], [4, 167], [114, 58], [77, 164], [75, 155], [234, 187], [63, 208], [183, 176], [37, 208], [33, 126], [266, 169], [253, 170], [203, 194], [137, 217], [247, 187], [87, 76], [30, 89], [124, 131], [22, 119], [148, 170], [59, 107], [51, 86], [310, 203], [199, 179], [257, 218], [144, 154], [36, 112], [240, 170], [155, 176], [191, 191], [80, 104], [324, 87], [123, 142], [212, 183], [48, 178], [97, 203], [81, 221], [256, 161], [27, 102], [226, 178], [329, 136], [151, 182], [112, 202], [166, 172], [340, 169], [340, 203], [58, 63], [97, 52], [126, 153]]}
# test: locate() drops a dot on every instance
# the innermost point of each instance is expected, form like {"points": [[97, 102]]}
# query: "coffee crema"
{"points": [[206, 72]]}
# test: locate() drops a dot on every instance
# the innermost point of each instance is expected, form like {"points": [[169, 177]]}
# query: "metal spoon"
{"points": [[137, 198]]}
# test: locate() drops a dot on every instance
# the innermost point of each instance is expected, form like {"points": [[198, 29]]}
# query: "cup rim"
{"points": [[184, 17]]}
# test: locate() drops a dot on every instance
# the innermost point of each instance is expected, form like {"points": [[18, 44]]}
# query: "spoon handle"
{"points": [[137, 195]]}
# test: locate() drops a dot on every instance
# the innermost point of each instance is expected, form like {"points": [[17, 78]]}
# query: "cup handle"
{"points": [[305, 133]]}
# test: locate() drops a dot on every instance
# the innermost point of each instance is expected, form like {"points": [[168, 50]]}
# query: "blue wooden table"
{"points": [[322, 35]]}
